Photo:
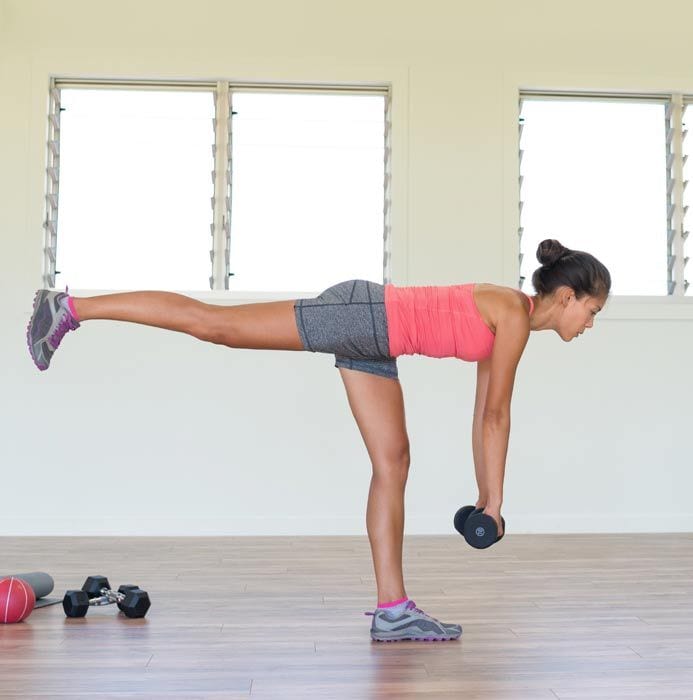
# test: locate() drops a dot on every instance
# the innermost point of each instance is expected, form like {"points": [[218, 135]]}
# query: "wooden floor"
{"points": [[572, 616]]}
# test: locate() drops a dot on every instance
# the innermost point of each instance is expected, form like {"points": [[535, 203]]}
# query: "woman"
{"points": [[367, 326]]}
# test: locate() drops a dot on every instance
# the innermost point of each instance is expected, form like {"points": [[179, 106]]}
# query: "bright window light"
{"points": [[307, 178], [595, 179], [135, 189], [307, 190]]}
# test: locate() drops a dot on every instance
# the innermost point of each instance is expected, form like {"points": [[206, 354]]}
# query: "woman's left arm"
{"points": [[512, 332]]}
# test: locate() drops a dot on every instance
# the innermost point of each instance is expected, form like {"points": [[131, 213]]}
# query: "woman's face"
{"points": [[578, 315]]}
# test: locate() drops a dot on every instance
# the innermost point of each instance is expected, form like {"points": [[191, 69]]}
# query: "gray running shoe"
{"points": [[412, 624], [49, 322]]}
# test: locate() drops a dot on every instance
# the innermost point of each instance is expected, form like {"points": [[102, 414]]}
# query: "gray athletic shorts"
{"points": [[349, 321]]}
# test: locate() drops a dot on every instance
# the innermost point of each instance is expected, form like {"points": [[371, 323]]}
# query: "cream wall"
{"points": [[134, 430]]}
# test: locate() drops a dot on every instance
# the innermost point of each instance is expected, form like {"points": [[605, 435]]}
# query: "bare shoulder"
{"points": [[496, 302], [506, 310]]}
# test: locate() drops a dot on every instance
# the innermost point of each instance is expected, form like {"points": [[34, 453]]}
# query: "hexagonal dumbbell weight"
{"points": [[94, 587], [96, 590]]}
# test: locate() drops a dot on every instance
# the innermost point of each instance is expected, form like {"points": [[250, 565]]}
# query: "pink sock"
{"points": [[71, 307], [393, 603]]}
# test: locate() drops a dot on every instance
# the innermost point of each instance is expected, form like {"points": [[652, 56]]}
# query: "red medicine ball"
{"points": [[17, 600]]}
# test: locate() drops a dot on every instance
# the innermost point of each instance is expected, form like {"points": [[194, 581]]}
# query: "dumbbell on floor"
{"points": [[94, 587], [96, 590], [477, 528]]}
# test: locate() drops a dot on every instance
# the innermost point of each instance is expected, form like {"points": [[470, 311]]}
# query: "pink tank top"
{"points": [[437, 322]]}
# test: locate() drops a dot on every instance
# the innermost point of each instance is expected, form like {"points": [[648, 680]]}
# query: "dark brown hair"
{"points": [[580, 271]]}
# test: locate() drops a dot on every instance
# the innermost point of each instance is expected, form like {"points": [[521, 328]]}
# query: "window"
{"points": [[687, 195], [135, 190], [307, 198], [289, 181], [599, 174]]}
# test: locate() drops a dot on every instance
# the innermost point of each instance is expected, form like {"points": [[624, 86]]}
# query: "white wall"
{"points": [[135, 430]]}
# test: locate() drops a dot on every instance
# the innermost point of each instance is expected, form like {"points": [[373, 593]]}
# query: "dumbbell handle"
{"points": [[107, 597]]}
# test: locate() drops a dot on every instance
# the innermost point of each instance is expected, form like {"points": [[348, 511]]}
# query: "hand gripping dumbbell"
{"points": [[477, 528], [96, 590]]}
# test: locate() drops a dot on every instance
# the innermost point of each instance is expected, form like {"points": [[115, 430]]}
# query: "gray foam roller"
{"points": [[41, 582]]}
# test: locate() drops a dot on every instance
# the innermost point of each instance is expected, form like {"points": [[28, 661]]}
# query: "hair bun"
{"points": [[550, 251]]}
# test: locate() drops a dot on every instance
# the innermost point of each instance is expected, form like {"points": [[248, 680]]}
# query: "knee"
{"points": [[210, 335], [393, 467], [218, 336], [208, 325]]}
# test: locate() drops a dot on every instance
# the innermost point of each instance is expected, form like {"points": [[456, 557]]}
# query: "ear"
{"points": [[565, 295]]}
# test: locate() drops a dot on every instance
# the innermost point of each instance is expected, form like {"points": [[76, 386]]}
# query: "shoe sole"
{"points": [[417, 639], [37, 303], [384, 637]]}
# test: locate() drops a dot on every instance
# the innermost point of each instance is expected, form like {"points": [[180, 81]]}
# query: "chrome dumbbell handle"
{"points": [[107, 597]]}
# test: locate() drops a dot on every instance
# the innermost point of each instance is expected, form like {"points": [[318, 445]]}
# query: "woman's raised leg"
{"points": [[268, 326], [264, 326], [378, 407]]}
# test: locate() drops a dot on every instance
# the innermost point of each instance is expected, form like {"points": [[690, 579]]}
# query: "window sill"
{"points": [[639, 308]]}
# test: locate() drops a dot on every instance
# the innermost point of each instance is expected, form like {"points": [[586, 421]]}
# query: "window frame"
{"points": [[674, 106], [518, 83], [223, 91]]}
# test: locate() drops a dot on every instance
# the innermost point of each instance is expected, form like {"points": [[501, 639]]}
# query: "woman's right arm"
{"points": [[482, 375], [512, 333]]}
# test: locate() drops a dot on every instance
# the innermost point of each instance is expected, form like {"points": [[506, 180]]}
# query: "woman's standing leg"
{"points": [[378, 407]]}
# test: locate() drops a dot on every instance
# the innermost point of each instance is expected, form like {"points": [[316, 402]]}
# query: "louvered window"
{"points": [[604, 173], [292, 182], [687, 147], [308, 189]]}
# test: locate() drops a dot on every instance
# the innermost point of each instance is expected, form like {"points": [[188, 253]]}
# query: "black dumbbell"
{"points": [[477, 528], [94, 585], [133, 606], [96, 590], [461, 518]]}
